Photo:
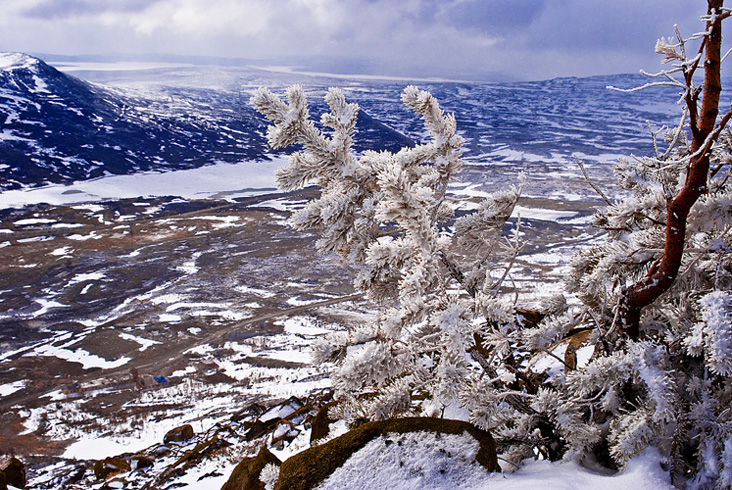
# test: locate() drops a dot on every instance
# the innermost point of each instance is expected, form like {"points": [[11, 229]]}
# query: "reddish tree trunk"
{"points": [[702, 121]]}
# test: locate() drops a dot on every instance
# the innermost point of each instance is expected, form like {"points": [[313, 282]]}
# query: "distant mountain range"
{"points": [[55, 128]]}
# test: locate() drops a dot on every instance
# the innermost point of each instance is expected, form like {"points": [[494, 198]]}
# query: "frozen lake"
{"points": [[221, 181]]}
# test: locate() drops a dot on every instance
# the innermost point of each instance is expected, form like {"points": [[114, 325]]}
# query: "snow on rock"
{"points": [[412, 461], [419, 464], [281, 411]]}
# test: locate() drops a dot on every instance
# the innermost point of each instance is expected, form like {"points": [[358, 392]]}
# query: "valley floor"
{"points": [[125, 317]]}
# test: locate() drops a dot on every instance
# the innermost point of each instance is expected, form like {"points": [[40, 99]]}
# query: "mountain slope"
{"points": [[59, 129]]}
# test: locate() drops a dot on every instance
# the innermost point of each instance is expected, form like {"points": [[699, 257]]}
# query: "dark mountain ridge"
{"points": [[56, 128]]}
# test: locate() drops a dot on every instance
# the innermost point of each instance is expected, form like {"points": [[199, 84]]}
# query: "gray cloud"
{"points": [[521, 39], [495, 16], [620, 24], [60, 9]]}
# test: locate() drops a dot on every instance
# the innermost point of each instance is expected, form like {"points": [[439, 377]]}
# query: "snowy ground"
{"points": [[424, 468], [223, 181]]}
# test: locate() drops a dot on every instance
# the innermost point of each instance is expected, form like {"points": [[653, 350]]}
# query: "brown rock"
{"points": [[306, 470], [160, 451], [75, 475], [140, 461], [259, 428], [3, 481], [179, 434], [321, 424], [246, 474], [109, 467], [14, 471]]}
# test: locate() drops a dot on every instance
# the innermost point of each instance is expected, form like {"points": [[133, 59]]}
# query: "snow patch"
{"points": [[220, 181], [144, 343], [10, 388], [85, 358]]}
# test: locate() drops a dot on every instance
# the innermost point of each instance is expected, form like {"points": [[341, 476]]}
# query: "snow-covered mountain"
{"points": [[57, 128]]}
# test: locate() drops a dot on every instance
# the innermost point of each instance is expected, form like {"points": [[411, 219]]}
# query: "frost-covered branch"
{"points": [[384, 213]]}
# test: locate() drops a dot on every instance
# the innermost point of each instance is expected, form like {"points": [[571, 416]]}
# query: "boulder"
{"points": [[109, 467], [304, 471], [192, 457], [160, 451], [74, 476], [140, 461], [258, 428], [246, 474], [321, 424], [252, 410], [14, 471], [3, 481], [179, 434], [202, 450]]}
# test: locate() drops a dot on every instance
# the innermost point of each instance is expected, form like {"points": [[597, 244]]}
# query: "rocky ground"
{"points": [[120, 320], [93, 294]]}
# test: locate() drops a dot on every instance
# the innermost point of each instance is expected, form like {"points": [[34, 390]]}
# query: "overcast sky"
{"points": [[513, 39]]}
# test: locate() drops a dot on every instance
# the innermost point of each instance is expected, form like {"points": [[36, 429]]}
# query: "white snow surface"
{"points": [[10, 388], [542, 214], [86, 359], [10, 61], [422, 462], [220, 181]]}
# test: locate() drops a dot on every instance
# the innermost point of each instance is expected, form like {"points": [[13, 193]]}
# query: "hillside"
{"points": [[59, 129]]}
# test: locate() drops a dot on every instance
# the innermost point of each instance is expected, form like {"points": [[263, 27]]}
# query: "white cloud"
{"points": [[521, 38], [250, 18]]}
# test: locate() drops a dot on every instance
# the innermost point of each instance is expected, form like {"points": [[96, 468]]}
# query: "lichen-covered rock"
{"points": [[14, 471], [306, 470], [179, 434], [246, 474], [109, 467]]}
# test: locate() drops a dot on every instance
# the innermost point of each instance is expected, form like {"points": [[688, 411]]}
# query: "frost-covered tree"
{"points": [[386, 213], [702, 108], [656, 295], [643, 358]]}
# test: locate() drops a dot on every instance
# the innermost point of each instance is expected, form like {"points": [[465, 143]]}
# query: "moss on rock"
{"points": [[246, 474]]}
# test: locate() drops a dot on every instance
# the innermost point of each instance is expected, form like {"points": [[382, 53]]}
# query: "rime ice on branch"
{"points": [[656, 293], [626, 373], [384, 213]]}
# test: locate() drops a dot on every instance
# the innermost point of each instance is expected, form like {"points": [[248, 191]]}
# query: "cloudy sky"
{"points": [[508, 39]]}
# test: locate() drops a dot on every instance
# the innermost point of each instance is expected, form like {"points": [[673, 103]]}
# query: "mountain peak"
{"points": [[13, 61]]}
